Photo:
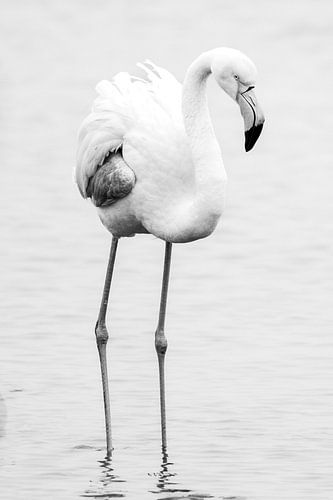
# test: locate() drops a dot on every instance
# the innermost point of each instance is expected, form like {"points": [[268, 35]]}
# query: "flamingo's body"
{"points": [[148, 156]]}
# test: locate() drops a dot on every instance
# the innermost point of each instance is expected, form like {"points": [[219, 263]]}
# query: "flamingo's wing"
{"points": [[112, 181], [101, 132], [165, 89], [124, 104]]}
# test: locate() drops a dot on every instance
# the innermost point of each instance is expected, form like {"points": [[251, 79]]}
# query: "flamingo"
{"points": [[149, 161]]}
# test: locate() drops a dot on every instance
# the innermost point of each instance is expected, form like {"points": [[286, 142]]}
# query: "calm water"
{"points": [[249, 365]]}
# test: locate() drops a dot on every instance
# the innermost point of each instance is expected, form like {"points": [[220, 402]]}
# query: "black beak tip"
{"points": [[252, 135]]}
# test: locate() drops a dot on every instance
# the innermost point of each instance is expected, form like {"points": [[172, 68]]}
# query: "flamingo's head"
{"points": [[236, 75]]}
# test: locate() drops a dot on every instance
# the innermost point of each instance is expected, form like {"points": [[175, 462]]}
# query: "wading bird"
{"points": [[149, 160]]}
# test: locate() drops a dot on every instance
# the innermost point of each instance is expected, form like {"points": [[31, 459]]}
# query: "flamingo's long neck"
{"points": [[196, 215], [209, 171]]}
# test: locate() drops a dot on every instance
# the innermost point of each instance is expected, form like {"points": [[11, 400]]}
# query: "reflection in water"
{"points": [[167, 488], [108, 483], [166, 483]]}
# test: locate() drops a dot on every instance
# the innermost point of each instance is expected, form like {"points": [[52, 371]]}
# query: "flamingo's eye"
{"points": [[236, 77]]}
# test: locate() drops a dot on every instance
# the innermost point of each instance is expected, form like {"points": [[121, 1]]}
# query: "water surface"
{"points": [[249, 365]]}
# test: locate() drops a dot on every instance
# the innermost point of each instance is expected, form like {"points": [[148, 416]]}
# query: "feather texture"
{"points": [[147, 153], [111, 182], [122, 106]]}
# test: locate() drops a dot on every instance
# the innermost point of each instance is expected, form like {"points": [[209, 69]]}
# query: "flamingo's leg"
{"points": [[101, 340], [160, 339]]}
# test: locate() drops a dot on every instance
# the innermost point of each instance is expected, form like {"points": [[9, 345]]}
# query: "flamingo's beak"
{"points": [[252, 115]]}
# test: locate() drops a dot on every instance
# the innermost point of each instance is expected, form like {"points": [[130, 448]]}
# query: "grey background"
{"points": [[249, 365]]}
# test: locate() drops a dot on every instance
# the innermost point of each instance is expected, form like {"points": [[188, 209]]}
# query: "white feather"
{"points": [[168, 142], [124, 105]]}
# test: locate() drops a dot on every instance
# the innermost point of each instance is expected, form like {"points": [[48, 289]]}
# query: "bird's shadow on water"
{"points": [[110, 485]]}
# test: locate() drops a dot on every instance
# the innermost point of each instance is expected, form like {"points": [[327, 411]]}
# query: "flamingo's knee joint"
{"points": [[161, 343], [101, 333]]}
